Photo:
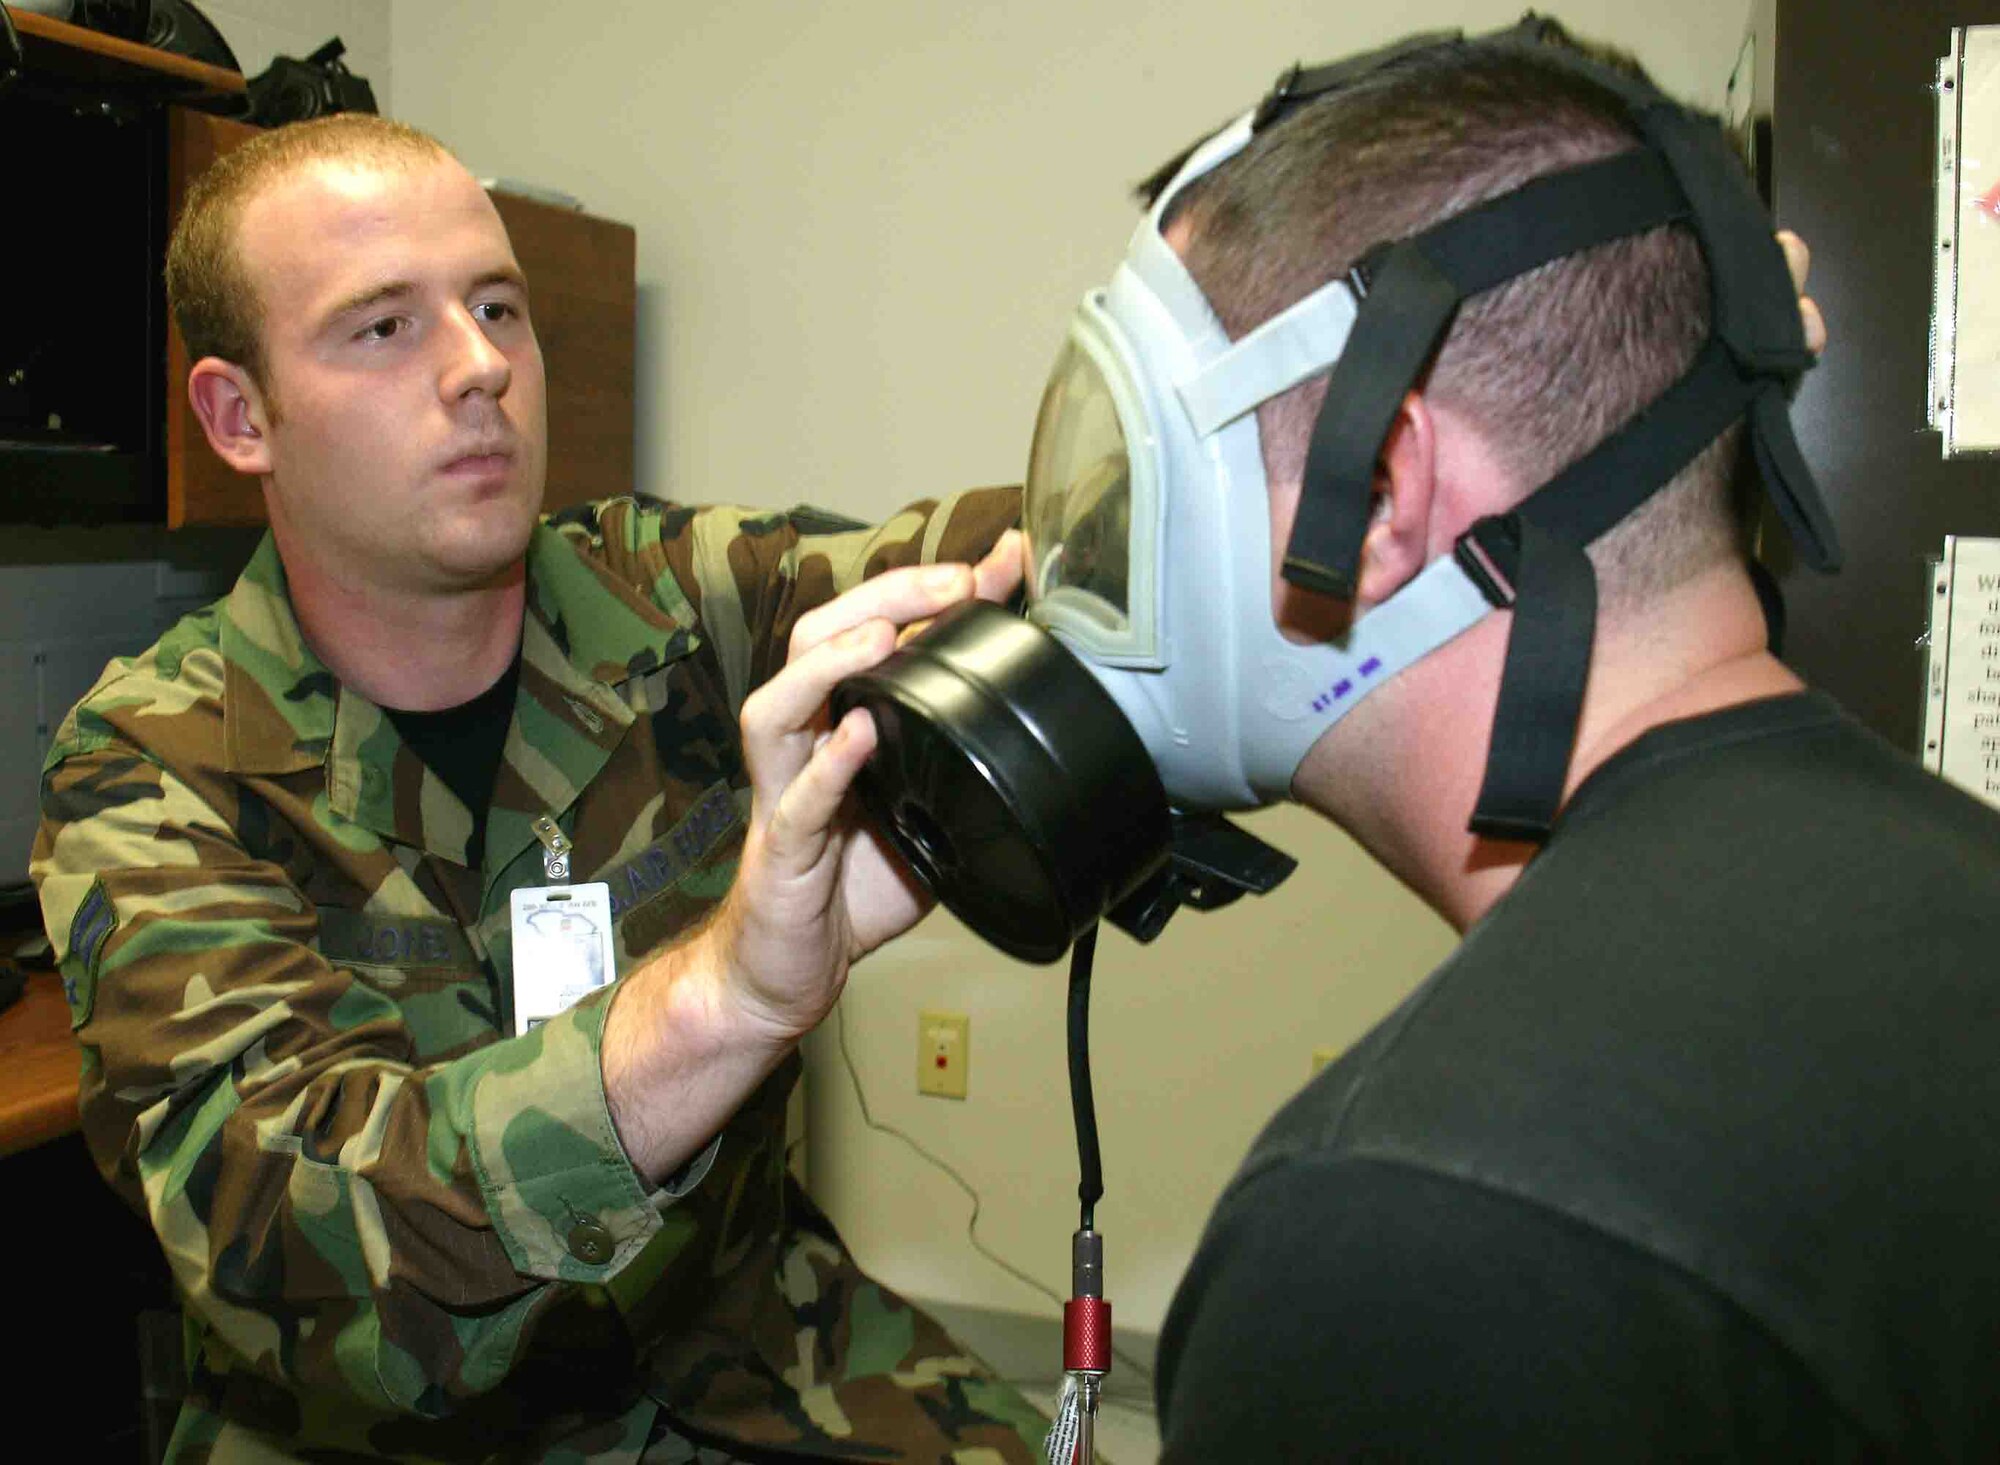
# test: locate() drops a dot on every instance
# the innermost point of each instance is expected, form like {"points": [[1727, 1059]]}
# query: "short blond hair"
{"points": [[209, 289]]}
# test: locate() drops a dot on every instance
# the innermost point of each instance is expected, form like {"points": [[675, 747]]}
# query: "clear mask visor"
{"points": [[1077, 512], [1089, 511]]}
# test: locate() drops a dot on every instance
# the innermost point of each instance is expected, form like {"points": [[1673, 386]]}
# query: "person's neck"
{"points": [[1404, 782], [411, 650]]}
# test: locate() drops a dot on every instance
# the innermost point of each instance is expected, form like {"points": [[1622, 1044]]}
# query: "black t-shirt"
{"points": [[1691, 1151], [463, 746]]}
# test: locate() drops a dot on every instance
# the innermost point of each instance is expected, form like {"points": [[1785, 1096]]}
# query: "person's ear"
{"points": [[234, 415], [1406, 485]]}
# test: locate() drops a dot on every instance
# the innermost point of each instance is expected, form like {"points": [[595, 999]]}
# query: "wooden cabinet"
{"points": [[581, 285], [581, 274]]}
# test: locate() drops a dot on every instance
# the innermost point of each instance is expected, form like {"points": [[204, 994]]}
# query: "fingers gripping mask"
{"points": [[1042, 772]]}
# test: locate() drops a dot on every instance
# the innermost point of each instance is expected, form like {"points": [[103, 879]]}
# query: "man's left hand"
{"points": [[1798, 259]]}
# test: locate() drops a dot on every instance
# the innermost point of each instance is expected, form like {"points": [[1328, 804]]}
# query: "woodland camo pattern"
{"points": [[397, 1232]]}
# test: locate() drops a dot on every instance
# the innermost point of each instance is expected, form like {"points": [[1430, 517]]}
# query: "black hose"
{"points": [[1090, 1170]]}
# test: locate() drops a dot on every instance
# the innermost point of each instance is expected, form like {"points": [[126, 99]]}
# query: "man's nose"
{"points": [[472, 362]]}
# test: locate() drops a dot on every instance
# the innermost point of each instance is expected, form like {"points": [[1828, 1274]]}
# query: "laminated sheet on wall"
{"points": [[1962, 684]]}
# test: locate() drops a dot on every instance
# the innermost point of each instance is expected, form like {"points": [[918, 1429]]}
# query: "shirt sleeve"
{"points": [[754, 575], [345, 1212], [1351, 1309]]}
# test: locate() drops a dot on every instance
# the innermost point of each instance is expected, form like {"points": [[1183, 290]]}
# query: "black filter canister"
{"points": [[1009, 779]]}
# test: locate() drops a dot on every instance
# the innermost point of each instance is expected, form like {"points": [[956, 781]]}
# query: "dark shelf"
{"points": [[69, 485], [79, 61], [83, 336]]}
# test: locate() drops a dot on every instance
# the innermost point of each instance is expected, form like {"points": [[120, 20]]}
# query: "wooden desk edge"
{"points": [[40, 1065]]}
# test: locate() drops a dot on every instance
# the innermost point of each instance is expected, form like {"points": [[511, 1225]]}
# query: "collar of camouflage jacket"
{"points": [[585, 634]]}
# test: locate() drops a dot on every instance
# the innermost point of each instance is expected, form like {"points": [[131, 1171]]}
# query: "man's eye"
{"points": [[492, 311], [380, 330]]}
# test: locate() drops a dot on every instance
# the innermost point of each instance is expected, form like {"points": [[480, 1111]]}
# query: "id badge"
{"points": [[562, 948]]}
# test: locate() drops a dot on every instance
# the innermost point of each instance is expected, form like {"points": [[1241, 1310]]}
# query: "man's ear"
{"points": [[1398, 540], [233, 413]]}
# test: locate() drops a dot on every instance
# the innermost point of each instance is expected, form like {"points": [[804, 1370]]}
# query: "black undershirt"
{"points": [[462, 746]]}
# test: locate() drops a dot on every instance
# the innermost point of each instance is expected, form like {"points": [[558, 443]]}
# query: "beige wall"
{"points": [[861, 231]]}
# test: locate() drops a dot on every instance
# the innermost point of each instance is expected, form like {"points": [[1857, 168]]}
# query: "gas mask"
{"points": [[1042, 772]]}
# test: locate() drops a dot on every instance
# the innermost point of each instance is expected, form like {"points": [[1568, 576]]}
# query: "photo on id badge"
{"points": [[562, 948]]}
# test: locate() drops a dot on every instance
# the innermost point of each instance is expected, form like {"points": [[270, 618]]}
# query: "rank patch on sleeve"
{"points": [[96, 918]]}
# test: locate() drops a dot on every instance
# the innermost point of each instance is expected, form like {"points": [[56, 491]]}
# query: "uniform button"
{"points": [[590, 1243]]}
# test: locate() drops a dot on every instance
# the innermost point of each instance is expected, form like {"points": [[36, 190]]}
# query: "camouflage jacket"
{"points": [[397, 1231]]}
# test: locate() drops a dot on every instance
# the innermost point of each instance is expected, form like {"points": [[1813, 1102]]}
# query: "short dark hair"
{"points": [[1548, 364]]}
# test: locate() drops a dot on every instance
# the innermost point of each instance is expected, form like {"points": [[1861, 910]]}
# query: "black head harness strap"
{"points": [[1532, 559], [1410, 291]]}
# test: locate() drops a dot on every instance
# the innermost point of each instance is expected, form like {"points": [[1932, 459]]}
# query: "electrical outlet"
{"points": [[1323, 1056], [944, 1048]]}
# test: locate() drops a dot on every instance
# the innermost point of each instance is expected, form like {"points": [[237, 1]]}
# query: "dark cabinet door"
{"points": [[1853, 117]]}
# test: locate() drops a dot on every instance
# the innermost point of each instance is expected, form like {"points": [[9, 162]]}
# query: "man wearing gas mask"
{"points": [[1395, 472]]}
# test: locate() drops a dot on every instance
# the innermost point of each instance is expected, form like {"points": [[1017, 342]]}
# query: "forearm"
{"points": [[391, 1204], [693, 1032], [309, 1142], [377, 1252], [682, 1051]]}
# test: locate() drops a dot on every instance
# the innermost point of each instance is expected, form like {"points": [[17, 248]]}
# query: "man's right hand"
{"points": [[818, 888], [698, 1027]]}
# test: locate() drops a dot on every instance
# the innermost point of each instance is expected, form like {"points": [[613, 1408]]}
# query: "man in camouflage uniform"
{"points": [[399, 1230]]}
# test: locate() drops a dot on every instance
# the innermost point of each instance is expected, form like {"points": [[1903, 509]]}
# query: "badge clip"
{"points": [[555, 849]]}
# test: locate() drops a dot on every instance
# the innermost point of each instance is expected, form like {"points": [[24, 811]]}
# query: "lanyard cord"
{"points": [[1090, 1171]]}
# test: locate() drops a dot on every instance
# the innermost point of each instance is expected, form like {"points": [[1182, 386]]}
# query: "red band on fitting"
{"points": [[1087, 1334]]}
